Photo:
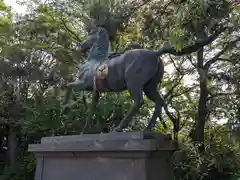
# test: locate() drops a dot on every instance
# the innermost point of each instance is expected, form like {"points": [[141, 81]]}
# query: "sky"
{"points": [[15, 6]]}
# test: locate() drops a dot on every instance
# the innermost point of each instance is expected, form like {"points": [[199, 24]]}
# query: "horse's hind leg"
{"points": [[154, 95], [137, 74], [137, 96], [151, 92]]}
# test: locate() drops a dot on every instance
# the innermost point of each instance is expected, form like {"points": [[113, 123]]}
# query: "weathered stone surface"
{"points": [[113, 156], [106, 136]]}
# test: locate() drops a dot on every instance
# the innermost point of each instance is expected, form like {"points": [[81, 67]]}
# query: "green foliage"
{"points": [[184, 22], [44, 117], [221, 159], [22, 170], [5, 21], [38, 55]]}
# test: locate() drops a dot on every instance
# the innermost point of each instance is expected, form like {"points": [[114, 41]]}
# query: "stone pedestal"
{"points": [[113, 156]]}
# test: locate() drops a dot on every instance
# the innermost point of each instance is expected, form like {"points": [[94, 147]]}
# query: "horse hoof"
{"points": [[63, 86], [148, 130], [117, 129]]}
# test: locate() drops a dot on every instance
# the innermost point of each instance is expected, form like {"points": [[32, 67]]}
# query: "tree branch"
{"points": [[190, 49], [217, 56], [191, 61], [72, 33], [225, 60], [174, 64], [221, 94], [175, 84], [223, 76], [183, 92]]}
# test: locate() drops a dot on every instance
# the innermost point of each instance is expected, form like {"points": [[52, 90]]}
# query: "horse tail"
{"points": [[160, 70], [164, 49]]}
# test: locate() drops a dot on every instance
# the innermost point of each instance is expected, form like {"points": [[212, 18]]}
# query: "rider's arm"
{"points": [[93, 36]]}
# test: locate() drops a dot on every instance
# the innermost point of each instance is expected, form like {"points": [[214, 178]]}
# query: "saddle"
{"points": [[102, 69]]}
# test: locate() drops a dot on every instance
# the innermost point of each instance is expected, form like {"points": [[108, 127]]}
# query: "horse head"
{"points": [[92, 37]]}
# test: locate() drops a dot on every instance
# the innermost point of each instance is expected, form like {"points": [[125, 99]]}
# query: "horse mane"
{"points": [[114, 54]]}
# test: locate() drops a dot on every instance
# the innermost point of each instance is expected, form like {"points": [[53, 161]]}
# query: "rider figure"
{"points": [[98, 38], [98, 42]]}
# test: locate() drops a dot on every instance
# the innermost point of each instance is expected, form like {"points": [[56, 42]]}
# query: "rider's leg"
{"points": [[84, 80], [78, 84]]}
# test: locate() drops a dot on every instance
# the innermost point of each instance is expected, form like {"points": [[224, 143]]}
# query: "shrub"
{"points": [[22, 170], [221, 159]]}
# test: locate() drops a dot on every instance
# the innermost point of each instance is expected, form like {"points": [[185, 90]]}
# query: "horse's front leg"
{"points": [[70, 86], [95, 99]]}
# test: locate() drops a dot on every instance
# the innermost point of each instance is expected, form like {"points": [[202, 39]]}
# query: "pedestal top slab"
{"points": [[105, 137], [119, 141]]}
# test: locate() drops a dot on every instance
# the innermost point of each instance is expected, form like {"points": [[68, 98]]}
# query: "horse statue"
{"points": [[138, 71]]}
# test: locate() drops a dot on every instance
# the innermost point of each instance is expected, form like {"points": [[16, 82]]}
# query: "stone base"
{"points": [[112, 156]]}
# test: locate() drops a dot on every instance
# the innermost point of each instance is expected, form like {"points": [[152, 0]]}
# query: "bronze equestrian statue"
{"points": [[137, 71]]}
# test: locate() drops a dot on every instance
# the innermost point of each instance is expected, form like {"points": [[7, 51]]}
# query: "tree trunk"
{"points": [[202, 112], [193, 133], [202, 105], [12, 146]]}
